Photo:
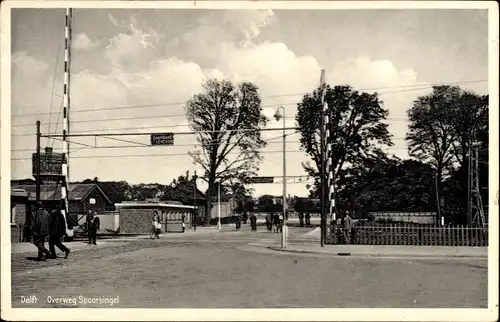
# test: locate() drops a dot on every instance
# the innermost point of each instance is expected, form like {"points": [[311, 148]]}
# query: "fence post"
{"points": [[391, 234], [454, 236], [405, 234]]}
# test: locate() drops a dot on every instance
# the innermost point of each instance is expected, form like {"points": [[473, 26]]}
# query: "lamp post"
{"points": [[284, 233], [218, 206]]}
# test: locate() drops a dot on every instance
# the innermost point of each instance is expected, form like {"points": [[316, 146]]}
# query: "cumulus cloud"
{"points": [[83, 42], [144, 72]]}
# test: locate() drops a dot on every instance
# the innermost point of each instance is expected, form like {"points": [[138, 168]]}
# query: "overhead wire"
{"points": [[54, 85], [416, 87]]}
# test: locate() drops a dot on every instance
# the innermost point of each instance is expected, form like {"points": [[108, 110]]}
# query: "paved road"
{"points": [[219, 271]]}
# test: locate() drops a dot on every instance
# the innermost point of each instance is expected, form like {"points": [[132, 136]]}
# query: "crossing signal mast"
{"points": [[475, 211]]}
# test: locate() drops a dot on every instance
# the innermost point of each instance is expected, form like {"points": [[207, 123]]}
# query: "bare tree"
{"points": [[227, 120]]}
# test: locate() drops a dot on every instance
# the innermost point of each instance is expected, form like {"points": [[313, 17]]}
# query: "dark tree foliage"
{"points": [[356, 119], [216, 115], [389, 185], [442, 126]]}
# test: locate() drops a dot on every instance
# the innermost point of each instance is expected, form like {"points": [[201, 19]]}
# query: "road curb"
{"points": [[334, 254]]}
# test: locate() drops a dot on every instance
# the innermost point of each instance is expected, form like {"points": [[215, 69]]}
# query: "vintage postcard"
{"points": [[249, 160]]}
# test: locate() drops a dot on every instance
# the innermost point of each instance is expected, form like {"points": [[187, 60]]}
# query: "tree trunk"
{"points": [[209, 195]]}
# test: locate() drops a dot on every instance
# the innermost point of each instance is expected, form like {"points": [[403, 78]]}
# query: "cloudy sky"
{"points": [[132, 71]]}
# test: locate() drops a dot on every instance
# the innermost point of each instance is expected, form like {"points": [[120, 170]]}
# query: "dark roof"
{"points": [[76, 191]]}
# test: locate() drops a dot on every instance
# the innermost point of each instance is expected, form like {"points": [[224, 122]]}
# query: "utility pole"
{"points": [[195, 211], [284, 233], [475, 211], [218, 206], [37, 161]]}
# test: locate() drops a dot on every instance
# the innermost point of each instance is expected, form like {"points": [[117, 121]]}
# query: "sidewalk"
{"points": [[385, 250]]}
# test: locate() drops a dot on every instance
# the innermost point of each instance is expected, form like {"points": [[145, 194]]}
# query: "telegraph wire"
{"points": [[54, 85], [178, 154], [416, 88], [157, 126], [144, 145]]}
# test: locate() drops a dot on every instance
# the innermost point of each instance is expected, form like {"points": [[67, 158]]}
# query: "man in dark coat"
{"points": [[308, 219], [301, 219], [253, 221], [238, 222], [276, 222], [195, 215], [40, 230], [269, 222], [93, 227], [57, 231]]}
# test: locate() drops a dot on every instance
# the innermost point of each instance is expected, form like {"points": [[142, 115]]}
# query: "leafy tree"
{"points": [[356, 121], [442, 124], [217, 115], [390, 184], [241, 195]]}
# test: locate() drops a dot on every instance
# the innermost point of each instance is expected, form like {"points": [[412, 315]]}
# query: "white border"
{"points": [[490, 314]]}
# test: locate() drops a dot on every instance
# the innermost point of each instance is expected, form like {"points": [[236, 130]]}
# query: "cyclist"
{"points": [[156, 224]]}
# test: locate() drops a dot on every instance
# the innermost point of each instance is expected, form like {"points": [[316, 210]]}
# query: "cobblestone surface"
{"points": [[214, 272]]}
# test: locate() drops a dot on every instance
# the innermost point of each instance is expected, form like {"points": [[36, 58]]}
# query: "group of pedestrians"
{"points": [[274, 223], [51, 226], [346, 227], [307, 218]]}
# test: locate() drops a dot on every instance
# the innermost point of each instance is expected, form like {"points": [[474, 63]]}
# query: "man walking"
{"points": [[57, 232], [253, 221], [269, 222], [40, 230], [308, 219], [195, 215], [238, 222], [93, 227], [301, 219], [347, 226]]}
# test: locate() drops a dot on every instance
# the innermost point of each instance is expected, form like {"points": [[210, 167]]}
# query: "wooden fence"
{"points": [[410, 234]]}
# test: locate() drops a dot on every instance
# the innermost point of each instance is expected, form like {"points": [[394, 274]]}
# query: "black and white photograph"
{"points": [[246, 155]]}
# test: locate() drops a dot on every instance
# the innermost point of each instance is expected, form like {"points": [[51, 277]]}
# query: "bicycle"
{"points": [[154, 233]]}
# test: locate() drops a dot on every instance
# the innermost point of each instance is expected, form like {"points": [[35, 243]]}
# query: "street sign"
{"points": [[261, 180], [50, 164], [162, 139]]}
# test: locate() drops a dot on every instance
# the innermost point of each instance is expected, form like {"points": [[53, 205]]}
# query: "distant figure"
{"points": [[183, 223], [40, 230], [93, 227], [245, 217], [156, 224], [238, 222], [308, 219], [301, 219], [195, 215], [276, 222], [269, 222], [253, 221], [347, 226], [57, 232]]}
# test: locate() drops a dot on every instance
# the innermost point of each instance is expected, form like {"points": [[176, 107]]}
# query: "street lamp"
{"points": [[284, 233]]}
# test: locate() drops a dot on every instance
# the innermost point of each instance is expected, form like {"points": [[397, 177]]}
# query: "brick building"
{"points": [[82, 197], [136, 217]]}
